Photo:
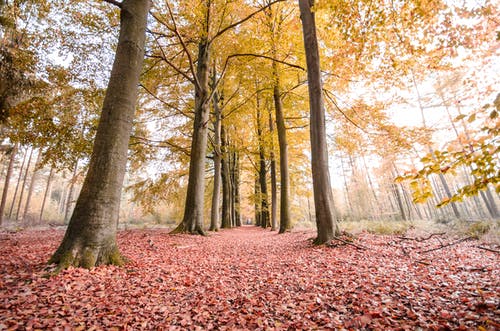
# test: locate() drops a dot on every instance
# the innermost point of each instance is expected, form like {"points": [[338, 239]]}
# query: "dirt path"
{"points": [[247, 279]]}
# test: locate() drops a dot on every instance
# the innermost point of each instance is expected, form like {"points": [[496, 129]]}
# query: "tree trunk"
{"points": [[236, 189], [323, 197], [14, 198], [492, 204], [32, 185], [46, 194], [214, 216], [226, 183], [90, 238], [23, 186], [69, 198], [192, 221], [8, 176], [283, 147], [264, 205], [274, 186], [257, 204]]}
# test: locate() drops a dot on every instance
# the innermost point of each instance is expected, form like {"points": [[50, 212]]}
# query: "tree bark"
{"points": [[283, 149], [214, 217], [23, 186], [236, 189], [14, 198], [69, 197], [226, 183], [8, 176], [264, 205], [34, 177], [274, 186], [257, 204], [90, 238], [323, 197], [46, 194]]}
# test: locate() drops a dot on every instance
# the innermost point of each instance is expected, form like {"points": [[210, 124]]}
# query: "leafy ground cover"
{"points": [[249, 278]]}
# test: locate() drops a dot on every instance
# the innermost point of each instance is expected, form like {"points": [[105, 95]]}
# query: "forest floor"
{"points": [[250, 279]]}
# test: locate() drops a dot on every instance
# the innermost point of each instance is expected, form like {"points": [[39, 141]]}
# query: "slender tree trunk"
{"points": [[69, 198], [90, 238], [46, 194], [14, 198], [192, 221], [399, 200], [283, 147], [257, 204], [274, 186], [264, 209], [34, 177], [236, 189], [226, 182], [323, 197], [444, 183], [493, 206], [8, 176], [23, 186], [214, 216], [346, 188]]}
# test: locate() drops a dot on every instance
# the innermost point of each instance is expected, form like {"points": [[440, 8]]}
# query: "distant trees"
{"points": [[224, 81]]}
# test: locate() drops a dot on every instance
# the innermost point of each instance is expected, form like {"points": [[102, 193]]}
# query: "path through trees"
{"points": [[240, 279]]}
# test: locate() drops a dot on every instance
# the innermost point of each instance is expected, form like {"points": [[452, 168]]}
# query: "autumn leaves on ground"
{"points": [[248, 278]]}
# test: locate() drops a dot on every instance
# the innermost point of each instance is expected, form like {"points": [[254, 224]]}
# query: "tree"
{"points": [[481, 158], [210, 28], [323, 197], [90, 239]]}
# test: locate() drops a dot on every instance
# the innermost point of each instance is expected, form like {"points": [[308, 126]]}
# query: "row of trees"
{"points": [[226, 82]]}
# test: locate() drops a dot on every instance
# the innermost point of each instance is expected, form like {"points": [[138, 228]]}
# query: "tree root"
{"points": [[86, 257], [344, 242]]}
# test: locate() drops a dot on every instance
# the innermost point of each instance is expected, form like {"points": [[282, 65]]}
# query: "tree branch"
{"points": [[174, 29], [114, 2], [230, 26], [268, 58]]}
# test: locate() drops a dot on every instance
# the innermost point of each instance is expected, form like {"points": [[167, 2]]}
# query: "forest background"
{"points": [[410, 91]]}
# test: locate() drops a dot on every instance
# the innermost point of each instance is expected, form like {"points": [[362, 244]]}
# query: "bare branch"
{"points": [[174, 29], [114, 2], [267, 57], [229, 27]]}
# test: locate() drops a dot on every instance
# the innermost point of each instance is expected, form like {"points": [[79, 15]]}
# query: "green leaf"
{"points": [[460, 117], [471, 118]]}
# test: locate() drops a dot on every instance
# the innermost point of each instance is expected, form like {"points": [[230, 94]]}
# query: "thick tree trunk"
{"points": [[46, 194], [214, 217], [192, 221], [323, 197], [8, 176], [90, 238]]}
